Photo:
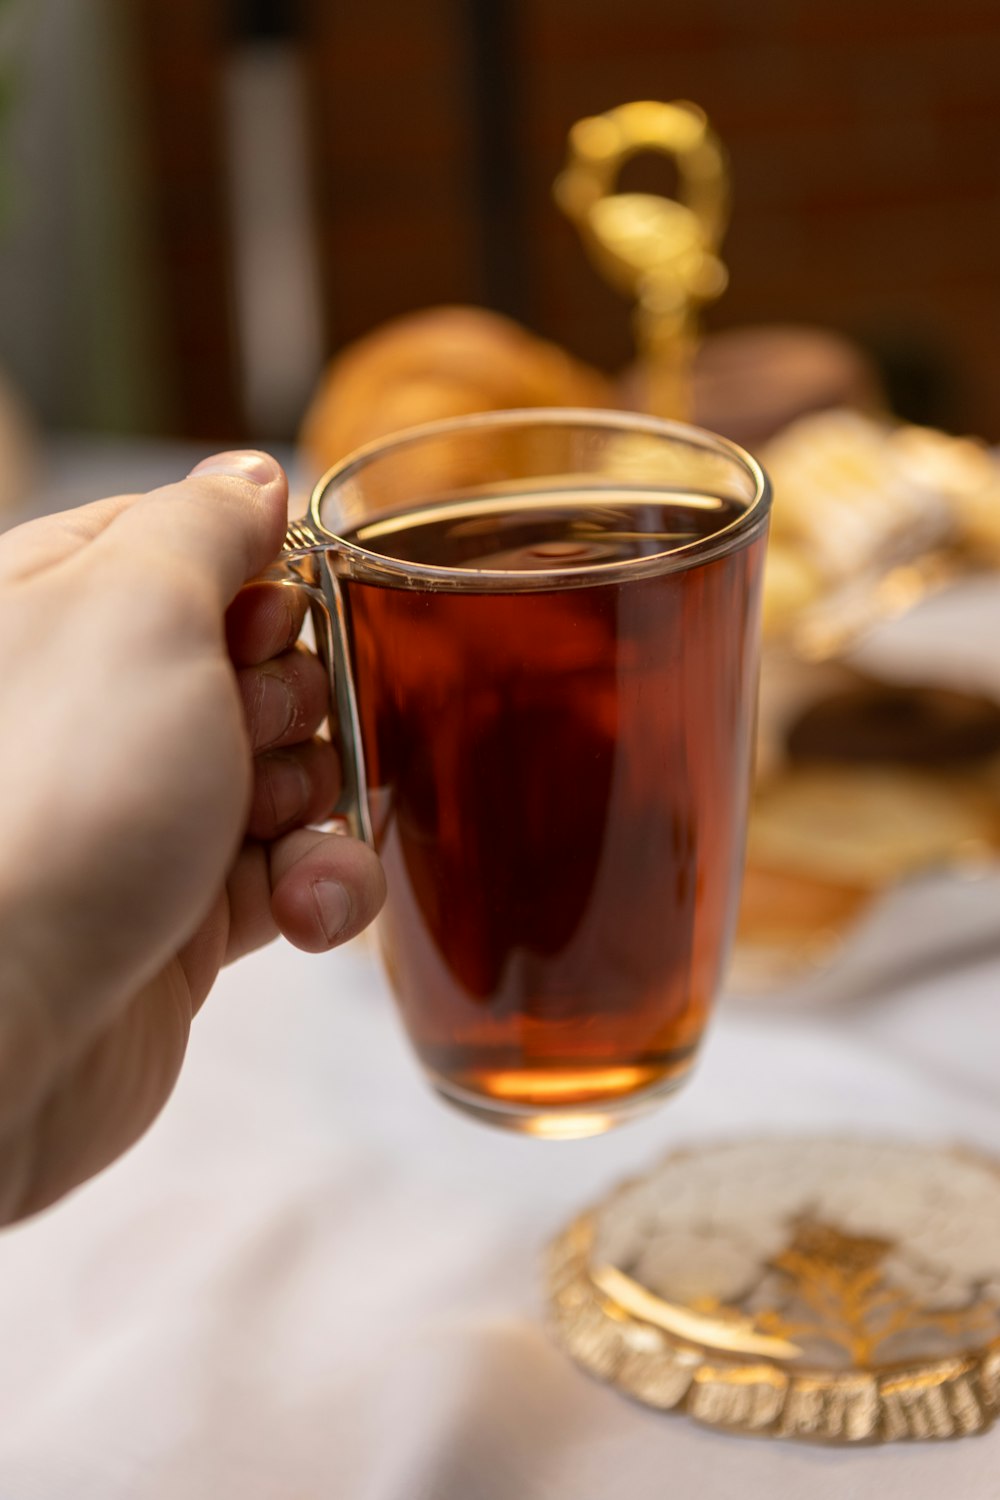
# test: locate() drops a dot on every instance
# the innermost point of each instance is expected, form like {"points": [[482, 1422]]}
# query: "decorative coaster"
{"points": [[838, 1290]]}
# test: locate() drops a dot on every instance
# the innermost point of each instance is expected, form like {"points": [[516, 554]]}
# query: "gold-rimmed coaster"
{"points": [[837, 1290]]}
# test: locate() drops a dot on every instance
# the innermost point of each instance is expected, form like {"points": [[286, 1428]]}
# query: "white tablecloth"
{"points": [[313, 1280]]}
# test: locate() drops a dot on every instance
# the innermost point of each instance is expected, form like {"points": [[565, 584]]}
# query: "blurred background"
{"points": [[202, 200]]}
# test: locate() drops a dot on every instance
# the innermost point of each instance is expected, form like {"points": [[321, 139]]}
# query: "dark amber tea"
{"points": [[556, 778]]}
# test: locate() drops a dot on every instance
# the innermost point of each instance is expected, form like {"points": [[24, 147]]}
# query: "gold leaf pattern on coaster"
{"points": [[841, 1291]]}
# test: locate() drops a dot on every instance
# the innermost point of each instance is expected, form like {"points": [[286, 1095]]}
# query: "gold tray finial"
{"points": [[837, 1290], [661, 251]]}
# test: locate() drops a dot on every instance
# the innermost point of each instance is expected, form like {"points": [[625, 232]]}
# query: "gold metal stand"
{"points": [[661, 251]]}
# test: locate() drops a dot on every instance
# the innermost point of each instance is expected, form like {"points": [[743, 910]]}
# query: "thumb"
{"points": [[324, 888], [227, 519], [246, 490]]}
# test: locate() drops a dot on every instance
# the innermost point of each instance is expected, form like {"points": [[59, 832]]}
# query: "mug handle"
{"points": [[305, 563]]}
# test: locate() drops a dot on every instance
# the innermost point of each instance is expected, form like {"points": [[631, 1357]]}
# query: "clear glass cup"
{"points": [[542, 630]]}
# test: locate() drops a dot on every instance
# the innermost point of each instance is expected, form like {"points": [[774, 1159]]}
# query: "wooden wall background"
{"points": [[863, 136]]}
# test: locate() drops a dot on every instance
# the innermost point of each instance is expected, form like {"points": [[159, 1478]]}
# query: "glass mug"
{"points": [[542, 630]]}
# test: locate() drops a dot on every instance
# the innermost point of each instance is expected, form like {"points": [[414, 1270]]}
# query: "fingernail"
{"points": [[273, 710], [259, 468], [288, 788], [333, 907]]}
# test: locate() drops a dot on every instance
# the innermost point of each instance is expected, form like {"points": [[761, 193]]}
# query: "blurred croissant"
{"points": [[443, 362]]}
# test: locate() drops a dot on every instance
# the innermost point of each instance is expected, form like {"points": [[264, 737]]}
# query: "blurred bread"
{"points": [[867, 515], [442, 362], [867, 826], [801, 913], [968, 474]]}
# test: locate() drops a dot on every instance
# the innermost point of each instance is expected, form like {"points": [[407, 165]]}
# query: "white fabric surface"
{"points": [[313, 1280]]}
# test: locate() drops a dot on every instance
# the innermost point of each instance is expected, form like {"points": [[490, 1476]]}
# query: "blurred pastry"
{"points": [[868, 516], [869, 826], [843, 499], [968, 473], [789, 920], [442, 362], [865, 784], [792, 584]]}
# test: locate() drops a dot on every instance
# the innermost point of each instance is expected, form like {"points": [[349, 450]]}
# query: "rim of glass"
{"points": [[364, 562]]}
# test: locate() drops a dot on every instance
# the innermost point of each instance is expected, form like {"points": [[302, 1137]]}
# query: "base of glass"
{"points": [[559, 1122]]}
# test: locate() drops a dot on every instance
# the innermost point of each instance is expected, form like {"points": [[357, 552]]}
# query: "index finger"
{"points": [[263, 620]]}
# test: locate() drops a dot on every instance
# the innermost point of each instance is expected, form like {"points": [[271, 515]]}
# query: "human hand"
{"points": [[158, 758]]}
